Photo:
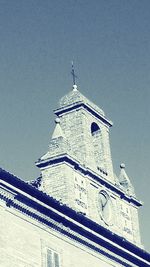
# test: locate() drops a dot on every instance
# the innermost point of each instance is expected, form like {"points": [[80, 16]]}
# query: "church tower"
{"points": [[78, 212], [77, 170]]}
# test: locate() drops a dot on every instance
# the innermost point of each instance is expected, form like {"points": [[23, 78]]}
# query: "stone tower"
{"points": [[77, 170]]}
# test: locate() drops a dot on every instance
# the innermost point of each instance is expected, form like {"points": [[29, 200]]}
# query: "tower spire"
{"points": [[74, 77]]}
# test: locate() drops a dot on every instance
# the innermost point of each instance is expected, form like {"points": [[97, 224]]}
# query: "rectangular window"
{"points": [[53, 259]]}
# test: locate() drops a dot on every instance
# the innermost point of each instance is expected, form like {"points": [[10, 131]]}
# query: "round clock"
{"points": [[105, 207]]}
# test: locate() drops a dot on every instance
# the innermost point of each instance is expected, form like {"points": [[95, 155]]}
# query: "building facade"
{"points": [[78, 212]]}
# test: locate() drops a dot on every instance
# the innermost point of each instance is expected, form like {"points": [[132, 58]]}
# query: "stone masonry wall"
{"points": [[76, 126], [57, 182]]}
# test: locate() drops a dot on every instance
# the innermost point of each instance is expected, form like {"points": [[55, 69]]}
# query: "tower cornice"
{"points": [[86, 106], [88, 172]]}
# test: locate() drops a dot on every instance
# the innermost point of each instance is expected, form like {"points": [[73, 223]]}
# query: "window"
{"points": [[94, 128], [98, 147], [52, 259]]}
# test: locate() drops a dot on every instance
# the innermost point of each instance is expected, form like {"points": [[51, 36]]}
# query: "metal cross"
{"points": [[73, 74]]}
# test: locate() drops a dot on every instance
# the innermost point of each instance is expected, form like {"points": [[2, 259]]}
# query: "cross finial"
{"points": [[73, 76]]}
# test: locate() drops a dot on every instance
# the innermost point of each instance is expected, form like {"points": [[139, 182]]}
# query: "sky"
{"points": [[109, 42]]}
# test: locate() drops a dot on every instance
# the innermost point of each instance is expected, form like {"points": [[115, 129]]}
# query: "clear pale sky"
{"points": [[109, 42]]}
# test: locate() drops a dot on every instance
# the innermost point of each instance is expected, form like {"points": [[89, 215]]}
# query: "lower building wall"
{"points": [[25, 243]]}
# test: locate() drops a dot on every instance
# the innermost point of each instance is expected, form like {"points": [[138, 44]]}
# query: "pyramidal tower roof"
{"points": [[125, 180], [57, 131], [75, 97]]}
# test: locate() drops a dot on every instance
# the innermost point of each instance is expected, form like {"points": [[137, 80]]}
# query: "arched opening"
{"points": [[96, 138], [94, 128]]}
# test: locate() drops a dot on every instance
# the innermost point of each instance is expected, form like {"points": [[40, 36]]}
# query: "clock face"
{"points": [[105, 207]]}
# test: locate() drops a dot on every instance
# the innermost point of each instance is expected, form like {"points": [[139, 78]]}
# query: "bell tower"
{"points": [[87, 130], [77, 170]]}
